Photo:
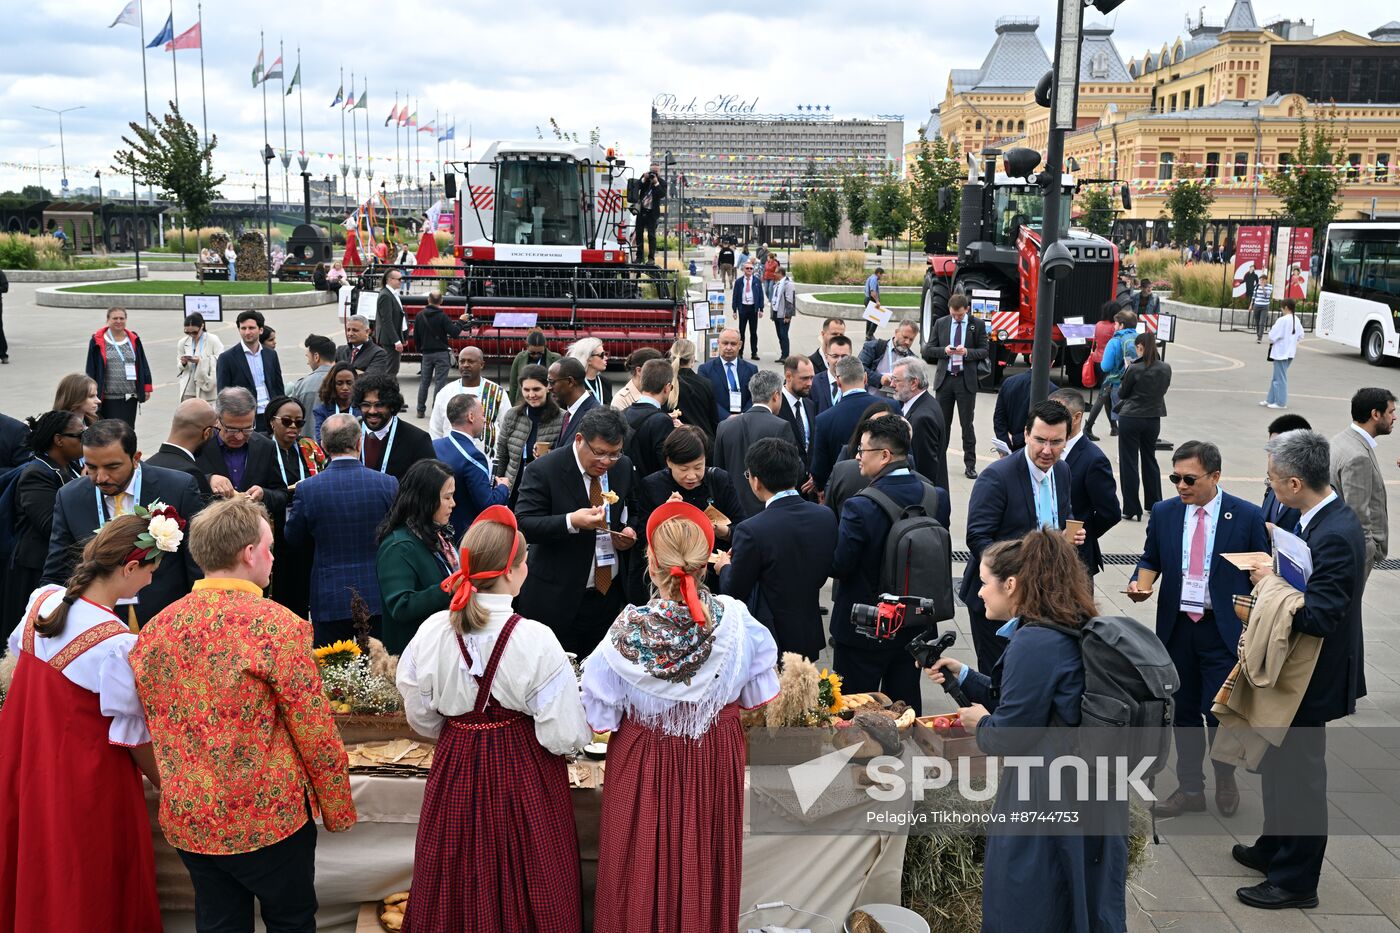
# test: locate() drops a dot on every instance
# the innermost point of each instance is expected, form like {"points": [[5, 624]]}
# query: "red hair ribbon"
{"points": [[686, 512], [459, 582]]}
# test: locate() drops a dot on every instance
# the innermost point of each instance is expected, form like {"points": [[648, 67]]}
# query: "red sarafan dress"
{"points": [[75, 839], [670, 852]]}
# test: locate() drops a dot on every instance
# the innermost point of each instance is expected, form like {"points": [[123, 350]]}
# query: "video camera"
{"points": [[927, 649], [883, 620]]}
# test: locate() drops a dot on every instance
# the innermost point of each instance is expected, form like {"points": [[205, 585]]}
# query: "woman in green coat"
{"points": [[416, 551]]}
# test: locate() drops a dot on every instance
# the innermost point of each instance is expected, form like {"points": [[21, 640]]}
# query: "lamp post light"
{"points": [[431, 178], [101, 214], [268, 155], [62, 152]]}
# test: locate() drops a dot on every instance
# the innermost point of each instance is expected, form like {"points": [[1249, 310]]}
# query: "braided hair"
{"points": [[44, 428], [104, 554]]}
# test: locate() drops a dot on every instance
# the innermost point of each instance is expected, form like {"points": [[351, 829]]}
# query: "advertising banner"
{"points": [[1293, 262], [1251, 257]]}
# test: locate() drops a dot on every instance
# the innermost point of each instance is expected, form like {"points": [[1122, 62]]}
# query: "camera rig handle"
{"points": [[928, 648]]}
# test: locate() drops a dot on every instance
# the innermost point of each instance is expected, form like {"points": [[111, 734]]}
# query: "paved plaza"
{"points": [[1218, 379]]}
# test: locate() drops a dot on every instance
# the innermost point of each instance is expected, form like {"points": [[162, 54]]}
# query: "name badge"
{"points": [[1193, 594], [131, 371], [736, 402], [129, 601], [603, 551]]}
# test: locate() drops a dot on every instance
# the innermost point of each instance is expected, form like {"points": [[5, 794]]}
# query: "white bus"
{"points": [[1359, 301]]}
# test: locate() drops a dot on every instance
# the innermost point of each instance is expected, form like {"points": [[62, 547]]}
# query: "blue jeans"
{"points": [[233, 272], [1278, 385]]}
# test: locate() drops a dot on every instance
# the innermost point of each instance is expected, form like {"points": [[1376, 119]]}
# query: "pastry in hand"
{"points": [[609, 497]]}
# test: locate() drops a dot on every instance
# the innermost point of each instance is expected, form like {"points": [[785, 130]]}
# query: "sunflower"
{"points": [[829, 691], [340, 652]]}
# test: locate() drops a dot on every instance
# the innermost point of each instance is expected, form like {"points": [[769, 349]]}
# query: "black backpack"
{"points": [[918, 558], [1129, 680]]}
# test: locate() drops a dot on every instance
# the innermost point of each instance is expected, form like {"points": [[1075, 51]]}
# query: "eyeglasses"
{"points": [[368, 405], [1178, 478], [1048, 442], [291, 422], [860, 451], [235, 431], [608, 457]]}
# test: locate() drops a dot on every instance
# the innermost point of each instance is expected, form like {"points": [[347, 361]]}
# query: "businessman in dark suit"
{"points": [[1294, 775], [251, 366], [566, 383], [881, 356], [826, 391], [391, 445], [1275, 512], [747, 305], [780, 558], [1017, 494], [1093, 491], [476, 489], [647, 420], [239, 460], [573, 531], [13, 432], [192, 427], [834, 426], [1009, 414], [729, 375], [736, 435], [800, 412], [831, 327], [928, 447], [957, 347], [359, 352], [337, 512], [389, 320], [115, 483], [1187, 538]]}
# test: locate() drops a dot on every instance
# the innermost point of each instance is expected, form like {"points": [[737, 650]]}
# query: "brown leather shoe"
{"points": [[1227, 794], [1180, 802]]}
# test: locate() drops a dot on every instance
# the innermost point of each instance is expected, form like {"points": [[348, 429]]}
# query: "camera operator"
{"points": [[864, 663], [651, 191]]}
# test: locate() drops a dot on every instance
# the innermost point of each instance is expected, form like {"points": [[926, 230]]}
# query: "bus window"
{"points": [[1343, 270]]}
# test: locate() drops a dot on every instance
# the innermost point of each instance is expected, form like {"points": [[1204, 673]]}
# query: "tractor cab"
{"points": [[540, 202], [1017, 206]]}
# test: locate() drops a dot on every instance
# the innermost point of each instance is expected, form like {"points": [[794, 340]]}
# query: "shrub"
{"points": [[847, 267], [42, 253], [443, 239], [1205, 285], [191, 239], [17, 251]]}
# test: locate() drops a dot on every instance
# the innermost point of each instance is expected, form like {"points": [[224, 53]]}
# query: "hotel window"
{"points": [[1382, 167], [1171, 103], [1201, 96], [1165, 163], [1212, 165]]}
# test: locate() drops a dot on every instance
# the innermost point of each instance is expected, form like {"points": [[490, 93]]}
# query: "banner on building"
{"points": [[1293, 262], [1251, 257]]}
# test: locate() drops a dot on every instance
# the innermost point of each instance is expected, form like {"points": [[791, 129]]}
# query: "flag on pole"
{"points": [[275, 71], [451, 133], [413, 118], [339, 95], [129, 16], [189, 39], [362, 103], [350, 101], [258, 70], [167, 34], [296, 79], [426, 129], [403, 115], [393, 115]]}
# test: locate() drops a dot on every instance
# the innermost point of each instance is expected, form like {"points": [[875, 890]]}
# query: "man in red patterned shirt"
{"points": [[247, 751]]}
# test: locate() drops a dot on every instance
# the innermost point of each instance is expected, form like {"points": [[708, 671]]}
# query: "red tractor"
{"points": [[997, 265]]}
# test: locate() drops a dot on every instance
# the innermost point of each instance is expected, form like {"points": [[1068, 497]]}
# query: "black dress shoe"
{"points": [[754, 355], [1247, 857], [970, 472], [1180, 802], [1091, 436], [1266, 896], [1227, 794]]}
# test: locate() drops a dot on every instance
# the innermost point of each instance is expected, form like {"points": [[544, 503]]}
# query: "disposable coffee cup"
{"points": [[1072, 529], [541, 448]]}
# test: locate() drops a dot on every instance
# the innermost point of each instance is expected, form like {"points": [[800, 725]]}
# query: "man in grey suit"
{"points": [[956, 346], [736, 435], [388, 320], [1356, 471]]}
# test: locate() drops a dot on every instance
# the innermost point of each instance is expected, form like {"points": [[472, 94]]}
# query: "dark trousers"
{"points": [[393, 368], [646, 230], [782, 327], [1202, 663], [1103, 401], [955, 391], [121, 408], [435, 369], [324, 633], [595, 613], [1137, 446], [281, 876], [869, 325], [1293, 778], [985, 641], [748, 320], [4, 344], [880, 665]]}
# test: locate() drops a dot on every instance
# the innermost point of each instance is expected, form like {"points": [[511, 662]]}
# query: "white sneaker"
{"points": [[1264, 403], [1276, 406]]}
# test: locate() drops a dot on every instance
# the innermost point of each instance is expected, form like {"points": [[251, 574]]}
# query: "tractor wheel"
{"points": [[933, 303]]}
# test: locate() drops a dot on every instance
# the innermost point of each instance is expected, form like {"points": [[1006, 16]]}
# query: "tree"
{"points": [[855, 189], [171, 157], [937, 165], [889, 208], [781, 200], [1188, 205], [1310, 185], [823, 213], [1096, 205]]}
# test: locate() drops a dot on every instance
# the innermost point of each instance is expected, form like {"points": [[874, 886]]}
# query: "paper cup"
{"points": [[1072, 528]]}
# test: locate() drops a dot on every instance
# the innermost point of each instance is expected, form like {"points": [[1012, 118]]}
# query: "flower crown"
{"points": [[165, 529]]}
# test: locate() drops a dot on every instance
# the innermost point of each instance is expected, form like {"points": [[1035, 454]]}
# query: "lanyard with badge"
{"points": [[451, 436], [1195, 588], [604, 554], [301, 465], [102, 517], [388, 444], [128, 366]]}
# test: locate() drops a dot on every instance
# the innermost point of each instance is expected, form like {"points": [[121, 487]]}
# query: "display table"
{"points": [[827, 874]]}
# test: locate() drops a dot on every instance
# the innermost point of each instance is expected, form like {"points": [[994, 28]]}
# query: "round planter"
{"points": [[54, 297], [68, 276]]}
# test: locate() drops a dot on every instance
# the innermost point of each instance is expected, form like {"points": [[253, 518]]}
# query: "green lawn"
{"points": [[186, 288], [889, 300]]}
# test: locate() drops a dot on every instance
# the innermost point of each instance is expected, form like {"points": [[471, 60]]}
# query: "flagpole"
{"points": [[145, 88], [203, 98], [417, 152], [369, 159], [355, 141], [398, 165], [437, 132], [286, 156], [302, 159], [173, 69], [344, 165]]}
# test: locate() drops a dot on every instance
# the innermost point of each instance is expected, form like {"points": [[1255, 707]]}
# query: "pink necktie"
{"points": [[1197, 566]]}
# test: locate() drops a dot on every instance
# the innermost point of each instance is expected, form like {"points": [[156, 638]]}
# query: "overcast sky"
{"points": [[506, 68]]}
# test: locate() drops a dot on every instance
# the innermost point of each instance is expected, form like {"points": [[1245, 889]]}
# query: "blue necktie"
{"points": [[1044, 507], [733, 382], [1298, 529]]}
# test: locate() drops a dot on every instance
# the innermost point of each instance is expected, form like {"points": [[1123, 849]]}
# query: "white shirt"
{"points": [[1069, 445], [800, 411], [910, 404], [437, 422], [533, 677], [1370, 441], [1311, 513], [382, 432], [102, 670], [1284, 337], [132, 485], [1188, 529]]}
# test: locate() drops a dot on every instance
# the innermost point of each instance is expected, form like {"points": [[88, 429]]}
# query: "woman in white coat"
{"points": [[198, 352]]}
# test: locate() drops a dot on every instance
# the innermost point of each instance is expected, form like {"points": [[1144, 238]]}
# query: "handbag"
{"points": [[1089, 375]]}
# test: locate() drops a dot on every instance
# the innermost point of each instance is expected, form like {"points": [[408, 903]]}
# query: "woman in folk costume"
{"points": [[669, 678], [75, 840], [497, 848]]}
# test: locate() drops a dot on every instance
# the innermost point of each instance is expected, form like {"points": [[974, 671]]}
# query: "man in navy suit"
{"points": [[1017, 494], [831, 327], [800, 411], [736, 435], [250, 366], [338, 511], [834, 426], [729, 375], [1275, 512], [780, 558], [825, 389], [1290, 849], [566, 383], [1013, 401], [1186, 540], [748, 305], [864, 662], [476, 489], [1093, 493]]}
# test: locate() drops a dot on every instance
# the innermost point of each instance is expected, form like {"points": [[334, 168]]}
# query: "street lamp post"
{"points": [[268, 156], [666, 228], [62, 153], [101, 215], [330, 209], [39, 164], [135, 234]]}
